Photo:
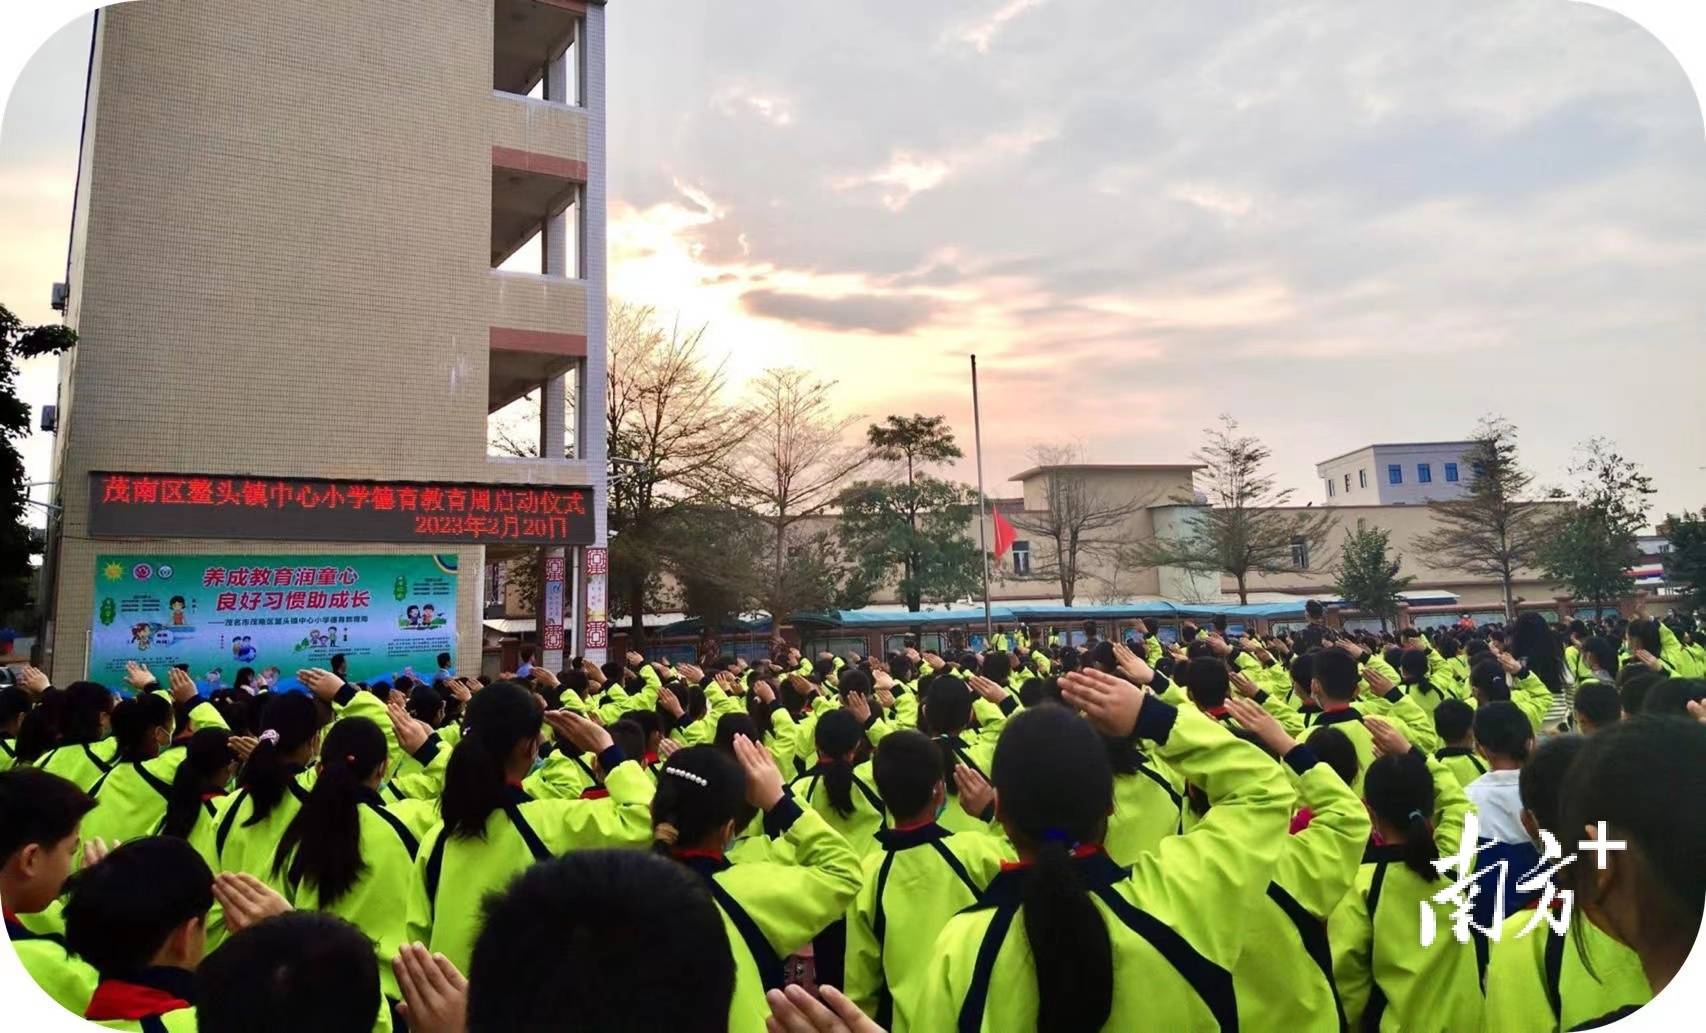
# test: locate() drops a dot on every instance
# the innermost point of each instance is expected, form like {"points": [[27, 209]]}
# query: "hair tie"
{"points": [[698, 780], [270, 735], [664, 832], [349, 758], [1416, 816], [1058, 836]]}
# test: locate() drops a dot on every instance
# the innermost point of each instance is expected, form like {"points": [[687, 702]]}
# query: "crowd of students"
{"points": [[1223, 831]]}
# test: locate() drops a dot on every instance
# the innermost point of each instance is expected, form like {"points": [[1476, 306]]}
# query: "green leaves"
{"points": [[1366, 578]]}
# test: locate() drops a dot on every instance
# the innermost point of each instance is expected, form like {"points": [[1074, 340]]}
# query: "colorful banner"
{"points": [[274, 614]]}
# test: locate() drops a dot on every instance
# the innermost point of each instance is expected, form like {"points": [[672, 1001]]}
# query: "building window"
{"points": [[1300, 553], [1347, 482], [1478, 468], [1424, 473], [1330, 486], [1394, 474], [1451, 473], [1362, 478], [1021, 557]]}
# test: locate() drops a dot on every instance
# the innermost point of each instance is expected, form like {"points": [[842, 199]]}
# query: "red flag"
{"points": [[1004, 535]]}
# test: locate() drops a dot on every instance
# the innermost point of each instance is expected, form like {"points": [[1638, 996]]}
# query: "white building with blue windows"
{"points": [[1408, 473]]}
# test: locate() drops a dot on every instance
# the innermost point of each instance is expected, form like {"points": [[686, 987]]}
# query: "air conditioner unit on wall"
{"points": [[50, 418], [61, 294]]}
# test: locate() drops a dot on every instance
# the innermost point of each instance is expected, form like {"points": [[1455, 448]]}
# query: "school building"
{"points": [[284, 270]]}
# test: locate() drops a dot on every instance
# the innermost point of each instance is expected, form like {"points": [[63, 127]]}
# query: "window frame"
{"points": [[1424, 473], [1394, 474], [1451, 473]]}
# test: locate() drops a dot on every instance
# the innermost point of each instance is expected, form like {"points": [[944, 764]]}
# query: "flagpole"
{"points": [[982, 503]]}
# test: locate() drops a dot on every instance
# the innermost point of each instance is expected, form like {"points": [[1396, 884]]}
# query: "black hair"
{"points": [[998, 666], [302, 970], [907, 767], [700, 789], [1336, 670], [267, 774], [1413, 663], [760, 711], [1633, 684], [133, 719], [206, 756], [600, 911], [1488, 677], [1400, 792], [1644, 634], [122, 910], [1541, 782], [85, 702], [14, 703], [630, 735], [1055, 790], [1448, 647], [238, 709], [1670, 697], [1601, 653], [1302, 670], [1208, 682], [1632, 776], [1335, 749], [443, 659], [426, 704], [37, 807], [838, 734], [322, 845], [499, 717], [731, 725], [1532, 641], [1314, 609], [1503, 730], [527, 654], [1599, 703], [1453, 719], [946, 705]]}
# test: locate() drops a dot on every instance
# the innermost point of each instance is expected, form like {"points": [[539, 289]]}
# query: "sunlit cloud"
{"points": [[981, 34], [904, 176], [739, 99]]}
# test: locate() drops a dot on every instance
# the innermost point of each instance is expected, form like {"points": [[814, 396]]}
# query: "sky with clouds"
{"points": [[1340, 222]]}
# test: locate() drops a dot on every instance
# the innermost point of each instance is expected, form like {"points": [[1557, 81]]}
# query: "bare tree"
{"points": [[1492, 530], [1079, 522], [793, 466], [1245, 530]]}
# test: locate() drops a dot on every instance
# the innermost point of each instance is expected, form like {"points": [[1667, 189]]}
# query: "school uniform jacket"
{"points": [[1387, 980], [771, 909], [922, 876], [1545, 982], [380, 900], [1149, 806], [60, 974], [859, 829], [455, 874], [1284, 977], [1175, 919], [976, 750], [154, 1000], [1463, 762], [131, 799], [228, 843], [81, 763]]}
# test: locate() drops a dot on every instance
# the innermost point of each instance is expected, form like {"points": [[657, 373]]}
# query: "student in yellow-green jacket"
{"points": [[15, 702], [771, 909], [1503, 677], [301, 970], [1454, 722], [920, 878], [131, 799], [1069, 940], [944, 713], [139, 917], [1418, 683], [81, 749], [1333, 680], [492, 829], [344, 853], [211, 757], [839, 787], [1388, 979], [39, 816], [1541, 979], [1284, 977]]}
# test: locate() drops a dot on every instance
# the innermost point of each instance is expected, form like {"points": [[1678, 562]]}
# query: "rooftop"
{"points": [[1396, 444], [1106, 468]]}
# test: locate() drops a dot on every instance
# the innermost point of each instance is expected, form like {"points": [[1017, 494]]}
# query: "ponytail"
{"points": [[499, 717], [85, 703], [322, 844], [1073, 956], [134, 721], [760, 711], [1051, 771], [287, 724], [205, 756], [43, 727], [1400, 792], [838, 734]]}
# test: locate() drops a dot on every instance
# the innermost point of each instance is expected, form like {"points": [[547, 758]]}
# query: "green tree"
{"points": [[1492, 530], [18, 541], [1245, 529], [716, 557], [1685, 563], [913, 536], [1366, 578], [1590, 546]]}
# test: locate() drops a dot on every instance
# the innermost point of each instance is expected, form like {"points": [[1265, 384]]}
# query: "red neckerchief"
{"points": [[1080, 851], [117, 999], [595, 793], [682, 855], [1219, 713], [920, 823]]}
